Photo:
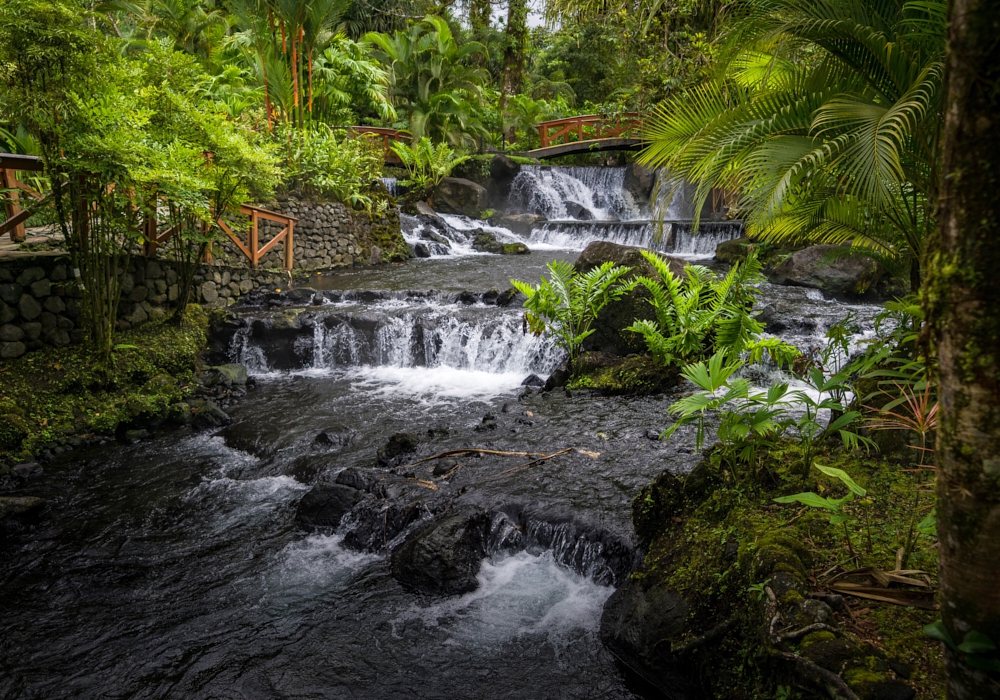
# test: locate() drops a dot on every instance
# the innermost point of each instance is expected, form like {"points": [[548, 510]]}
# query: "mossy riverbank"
{"points": [[62, 397], [757, 606]]}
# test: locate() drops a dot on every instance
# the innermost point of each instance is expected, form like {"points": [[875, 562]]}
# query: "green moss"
{"points": [[635, 375], [691, 551], [63, 391]]}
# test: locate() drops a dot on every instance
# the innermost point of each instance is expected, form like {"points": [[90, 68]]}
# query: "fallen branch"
{"points": [[519, 467], [469, 451], [816, 627]]}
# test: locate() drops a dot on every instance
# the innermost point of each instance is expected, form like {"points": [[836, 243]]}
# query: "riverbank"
{"points": [[742, 597], [58, 398]]}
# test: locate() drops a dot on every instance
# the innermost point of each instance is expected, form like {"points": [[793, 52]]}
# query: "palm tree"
{"points": [[431, 79], [191, 25], [824, 119]]}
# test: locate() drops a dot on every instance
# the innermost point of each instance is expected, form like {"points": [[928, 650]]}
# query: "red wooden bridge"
{"points": [[587, 133], [387, 136]]}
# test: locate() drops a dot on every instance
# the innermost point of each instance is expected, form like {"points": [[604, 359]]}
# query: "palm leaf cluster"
{"points": [[824, 119], [433, 80]]}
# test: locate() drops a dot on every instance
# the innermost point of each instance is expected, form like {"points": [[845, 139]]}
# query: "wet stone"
{"points": [[29, 307]]}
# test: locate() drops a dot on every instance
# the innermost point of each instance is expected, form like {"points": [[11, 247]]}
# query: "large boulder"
{"points": [[397, 448], [457, 195], [444, 557], [608, 336], [521, 224], [829, 268], [639, 181], [638, 625], [325, 504]]}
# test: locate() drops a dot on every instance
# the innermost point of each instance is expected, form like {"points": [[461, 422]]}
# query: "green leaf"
{"points": [[937, 630], [977, 643], [843, 476], [808, 499]]}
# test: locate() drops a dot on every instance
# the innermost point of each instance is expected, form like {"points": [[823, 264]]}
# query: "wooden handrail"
{"points": [[387, 135], [587, 127]]}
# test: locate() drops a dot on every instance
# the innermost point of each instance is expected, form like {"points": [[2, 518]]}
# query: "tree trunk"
{"points": [[513, 55], [963, 309]]}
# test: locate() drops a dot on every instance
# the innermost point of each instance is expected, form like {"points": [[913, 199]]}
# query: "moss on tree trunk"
{"points": [[963, 306]]}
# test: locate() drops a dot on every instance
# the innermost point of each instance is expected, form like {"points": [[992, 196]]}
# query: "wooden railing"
{"points": [[10, 165], [253, 250], [388, 135], [588, 127]]}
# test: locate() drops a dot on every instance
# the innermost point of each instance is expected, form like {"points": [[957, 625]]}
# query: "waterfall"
{"points": [[579, 193], [674, 237], [480, 340], [391, 185]]}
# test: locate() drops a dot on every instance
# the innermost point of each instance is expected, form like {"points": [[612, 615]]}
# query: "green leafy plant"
{"points": [[426, 164], [568, 303], [320, 161], [749, 421], [829, 393], [838, 515], [976, 646], [701, 313]]}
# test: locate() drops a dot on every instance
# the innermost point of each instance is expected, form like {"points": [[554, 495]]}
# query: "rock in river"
{"points": [[325, 504], [444, 557]]}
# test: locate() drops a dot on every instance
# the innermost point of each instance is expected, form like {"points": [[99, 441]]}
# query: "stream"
{"points": [[174, 569]]}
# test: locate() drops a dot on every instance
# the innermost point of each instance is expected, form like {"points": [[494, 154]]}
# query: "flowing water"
{"points": [[173, 568]]}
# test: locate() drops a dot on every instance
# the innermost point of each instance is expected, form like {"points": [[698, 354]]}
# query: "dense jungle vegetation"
{"points": [[847, 122]]}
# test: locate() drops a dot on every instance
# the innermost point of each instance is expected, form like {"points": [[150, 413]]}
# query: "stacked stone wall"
{"points": [[40, 304], [327, 235]]}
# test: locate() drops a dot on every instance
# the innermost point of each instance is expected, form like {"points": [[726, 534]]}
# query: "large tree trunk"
{"points": [[513, 55], [963, 309]]}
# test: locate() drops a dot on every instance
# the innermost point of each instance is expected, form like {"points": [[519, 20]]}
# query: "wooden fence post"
{"points": [[12, 205]]}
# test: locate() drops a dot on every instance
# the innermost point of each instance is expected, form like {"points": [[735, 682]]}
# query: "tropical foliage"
{"points": [[701, 313], [426, 164], [432, 81], [824, 118], [567, 304]]}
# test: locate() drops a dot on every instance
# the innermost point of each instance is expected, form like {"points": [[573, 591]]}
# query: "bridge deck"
{"points": [[588, 146]]}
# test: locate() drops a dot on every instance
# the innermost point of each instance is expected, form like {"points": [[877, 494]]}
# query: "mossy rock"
{"points": [[775, 552], [635, 375], [656, 503], [13, 430]]}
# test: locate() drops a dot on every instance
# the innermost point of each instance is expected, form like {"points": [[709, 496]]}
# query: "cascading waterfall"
{"points": [[581, 193], [675, 237], [481, 340]]}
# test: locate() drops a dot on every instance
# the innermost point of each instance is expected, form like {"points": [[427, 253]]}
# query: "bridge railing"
{"points": [[387, 136], [588, 127]]}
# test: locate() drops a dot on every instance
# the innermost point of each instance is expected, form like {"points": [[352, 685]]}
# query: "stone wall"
{"points": [[40, 304], [327, 235]]}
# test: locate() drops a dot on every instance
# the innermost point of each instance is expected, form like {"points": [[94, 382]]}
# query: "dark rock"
{"points": [[429, 235], [829, 268], [27, 470], [381, 523], [503, 170], [637, 624], [560, 377], [521, 224], [225, 375], [575, 210], [134, 436], [655, 504], [700, 481], [325, 504], [444, 466], [733, 251], [444, 557], [355, 478], [179, 413], [460, 196], [899, 668], [608, 336], [486, 242], [29, 307], [10, 333], [399, 445], [420, 250], [533, 380], [884, 690], [209, 415], [11, 506], [9, 351], [334, 438], [639, 181]]}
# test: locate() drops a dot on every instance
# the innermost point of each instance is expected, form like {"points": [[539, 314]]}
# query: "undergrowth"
{"points": [[57, 392]]}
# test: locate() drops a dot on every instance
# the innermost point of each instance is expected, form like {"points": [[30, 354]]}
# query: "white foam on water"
{"points": [[311, 566], [434, 384], [519, 595]]}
